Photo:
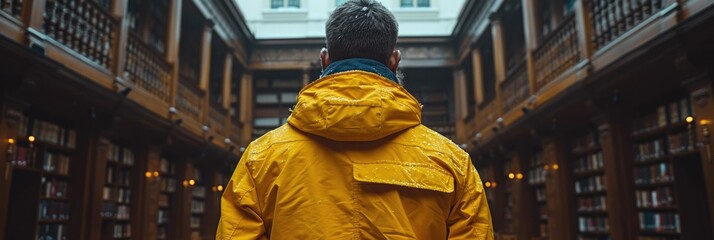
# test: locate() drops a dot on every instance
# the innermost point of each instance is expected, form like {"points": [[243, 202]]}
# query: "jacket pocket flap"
{"points": [[404, 174]]}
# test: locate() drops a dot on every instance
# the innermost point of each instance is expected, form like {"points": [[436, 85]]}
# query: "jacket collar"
{"points": [[363, 64]]}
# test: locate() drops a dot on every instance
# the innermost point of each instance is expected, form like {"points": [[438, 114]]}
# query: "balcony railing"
{"points": [[83, 27], [12, 7], [487, 115], [189, 101], [516, 88], [216, 119], [559, 52], [612, 19], [147, 68]]}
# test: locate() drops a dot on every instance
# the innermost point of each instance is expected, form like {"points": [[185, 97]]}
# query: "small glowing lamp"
{"points": [[220, 188], [519, 176], [511, 175], [487, 184], [191, 182], [156, 173], [31, 138], [11, 141], [147, 174], [689, 119], [555, 166]]}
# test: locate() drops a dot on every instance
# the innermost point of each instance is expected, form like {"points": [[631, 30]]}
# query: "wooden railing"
{"points": [[216, 119], [487, 115], [611, 19], [82, 26], [516, 88], [559, 52], [147, 68], [189, 101], [12, 7]]}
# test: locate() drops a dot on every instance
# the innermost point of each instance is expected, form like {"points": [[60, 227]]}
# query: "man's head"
{"points": [[361, 29]]}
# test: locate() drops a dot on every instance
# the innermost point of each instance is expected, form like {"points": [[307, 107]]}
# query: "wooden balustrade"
{"points": [[487, 115], [559, 52], [147, 68], [611, 19], [516, 88], [216, 119], [82, 26], [12, 7], [189, 101]]}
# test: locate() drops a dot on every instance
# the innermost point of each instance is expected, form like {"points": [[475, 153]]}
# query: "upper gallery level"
{"points": [[290, 19]]}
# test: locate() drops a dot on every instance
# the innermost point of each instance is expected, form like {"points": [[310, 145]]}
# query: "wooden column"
{"points": [[173, 38], [461, 105], [478, 75], [33, 16], [522, 220], [121, 32], [246, 109], [499, 58], [530, 21], [150, 162], [702, 98], [94, 150], [226, 104], [619, 194], [205, 70], [9, 120], [213, 203], [561, 224], [184, 195], [584, 27]]}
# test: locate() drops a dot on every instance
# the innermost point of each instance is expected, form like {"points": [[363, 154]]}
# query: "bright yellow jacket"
{"points": [[354, 162]]}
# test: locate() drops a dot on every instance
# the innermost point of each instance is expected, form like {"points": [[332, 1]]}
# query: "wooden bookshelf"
{"points": [[588, 169], [167, 199], [509, 207], [436, 113], [667, 173], [274, 94], [198, 203], [42, 193], [536, 181], [117, 194]]}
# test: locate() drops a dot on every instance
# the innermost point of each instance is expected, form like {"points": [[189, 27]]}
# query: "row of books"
{"points": [[659, 221], [649, 150], [52, 231], [120, 154], [24, 157], [587, 141], [590, 184], [163, 216], [679, 142], [197, 206], [589, 163], [195, 221], [163, 200], [656, 173], [167, 167], [53, 210], [273, 98], [588, 204], [660, 197], [47, 132], [671, 113], [593, 224], [540, 194], [113, 210], [55, 163], [277, 83], [122, 230], [536, 175], [54, 188], [199, 191], [543, 211], [167, 184], [120, 195], [117, 176], [435, 96], [161, 232]]}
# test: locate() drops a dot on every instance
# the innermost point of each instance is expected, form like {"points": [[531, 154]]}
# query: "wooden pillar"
{"points": [[478, 75], [227, 77], [246, 109], [205, 70], [522, 220], [462, 110], [185, 195], [119, 9], [150, 159], [173, 38], [213, 203], [9, 121], [702, 98], [561, 223], [619, 198], [499, 58], [530, 20], [584, 27], [34, 17], [95, 148]]}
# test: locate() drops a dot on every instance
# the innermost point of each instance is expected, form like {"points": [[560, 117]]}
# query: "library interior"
{"points": [[586, 119]]}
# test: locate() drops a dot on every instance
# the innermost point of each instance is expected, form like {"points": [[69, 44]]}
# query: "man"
{"points": [[354, 161]]}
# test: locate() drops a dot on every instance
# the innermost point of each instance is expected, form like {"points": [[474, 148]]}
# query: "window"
{"points": [[275, 4], [339, 2], [416, 3]]}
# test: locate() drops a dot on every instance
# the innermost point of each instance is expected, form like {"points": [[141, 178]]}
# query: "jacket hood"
{"points": [[355, 105]]}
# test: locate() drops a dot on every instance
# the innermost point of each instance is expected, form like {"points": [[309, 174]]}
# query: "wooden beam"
{"points": [[477, 63], [35, 16], [560, 224], [499, 50], [119, 9], [173, 38], [205, 69], [227, 77], [246, 109], [584, 26]]}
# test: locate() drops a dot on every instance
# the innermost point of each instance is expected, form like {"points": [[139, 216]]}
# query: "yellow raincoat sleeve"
{"points": [[240, 211], [470, 217]]}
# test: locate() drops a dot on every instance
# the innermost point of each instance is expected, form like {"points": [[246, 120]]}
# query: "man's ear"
{"points": [[324, 58], [394, 60]]}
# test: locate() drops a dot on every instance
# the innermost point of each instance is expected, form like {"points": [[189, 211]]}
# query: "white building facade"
{"points": [[297, 19]]}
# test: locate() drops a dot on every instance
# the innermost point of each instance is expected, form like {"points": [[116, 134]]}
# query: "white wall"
{"points": [[309, 20]]}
